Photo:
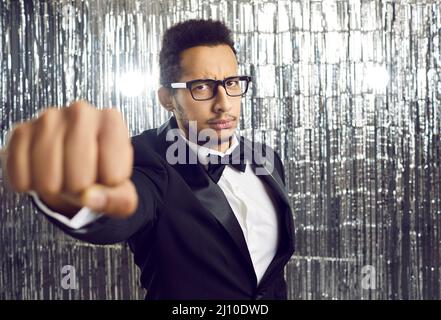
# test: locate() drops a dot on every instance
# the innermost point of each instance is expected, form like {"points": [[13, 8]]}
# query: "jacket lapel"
{"points": [[286, 231], [265, 169]]}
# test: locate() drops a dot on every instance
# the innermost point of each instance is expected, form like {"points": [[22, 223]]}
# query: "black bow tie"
{"points": [[217, 164]]}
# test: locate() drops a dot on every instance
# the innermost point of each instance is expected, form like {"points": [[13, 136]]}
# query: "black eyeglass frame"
{"points": [[217, 83]]}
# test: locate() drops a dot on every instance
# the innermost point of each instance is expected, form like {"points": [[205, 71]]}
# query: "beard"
{"points": [[210, 141], [216, 140]]}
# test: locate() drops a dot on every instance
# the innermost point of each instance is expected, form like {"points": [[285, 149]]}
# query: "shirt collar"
{"points": [[203, 151]]}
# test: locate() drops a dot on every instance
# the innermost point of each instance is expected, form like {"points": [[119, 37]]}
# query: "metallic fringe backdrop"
{"points": [[348, 92]]}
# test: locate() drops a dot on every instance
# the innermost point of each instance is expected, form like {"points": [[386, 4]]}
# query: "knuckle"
{"points": [[78, 112], [21, 131], [111, 117], [111, 113], [47, 117], [79, 104]]}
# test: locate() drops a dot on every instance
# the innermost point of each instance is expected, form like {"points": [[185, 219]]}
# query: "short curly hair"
{"points": [[187, 34]]}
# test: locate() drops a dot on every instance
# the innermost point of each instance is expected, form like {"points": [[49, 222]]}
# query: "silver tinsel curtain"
{"points": [[348, 93]]}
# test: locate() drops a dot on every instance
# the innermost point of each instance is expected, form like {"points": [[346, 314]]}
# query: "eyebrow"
{"points": [[205, 77]]}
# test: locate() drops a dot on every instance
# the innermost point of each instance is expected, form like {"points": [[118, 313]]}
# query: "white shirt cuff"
{"points": [[82, 218]]}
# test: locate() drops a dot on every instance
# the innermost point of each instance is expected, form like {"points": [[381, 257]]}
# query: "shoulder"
{"points": [[146, 148], [145, 138]]}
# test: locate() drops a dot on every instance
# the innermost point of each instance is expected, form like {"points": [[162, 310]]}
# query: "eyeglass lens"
{"points": [[206, 89]]}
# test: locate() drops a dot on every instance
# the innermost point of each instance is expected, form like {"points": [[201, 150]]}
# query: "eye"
{"points": [[201, 86], [232, 83]]}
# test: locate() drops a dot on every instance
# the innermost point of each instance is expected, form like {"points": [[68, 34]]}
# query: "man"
{"points": [[198, 229]]}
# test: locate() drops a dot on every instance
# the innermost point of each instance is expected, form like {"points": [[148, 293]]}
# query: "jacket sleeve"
{"points": [[82, 218], [151, 185]]}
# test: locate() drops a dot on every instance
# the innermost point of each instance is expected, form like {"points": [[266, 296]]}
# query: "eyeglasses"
{"points": [[206, 89]]}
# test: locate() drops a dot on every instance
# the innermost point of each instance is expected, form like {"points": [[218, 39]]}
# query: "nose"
{"points": [[222, 101]]}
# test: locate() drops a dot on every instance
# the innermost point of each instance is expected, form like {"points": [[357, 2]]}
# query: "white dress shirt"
{"points": [[247, 195]]}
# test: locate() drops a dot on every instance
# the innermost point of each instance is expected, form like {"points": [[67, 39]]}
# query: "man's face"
{"points": [[203, 62]]}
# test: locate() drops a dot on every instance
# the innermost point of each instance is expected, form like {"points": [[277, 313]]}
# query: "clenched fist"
{"points": [[74, 157]]}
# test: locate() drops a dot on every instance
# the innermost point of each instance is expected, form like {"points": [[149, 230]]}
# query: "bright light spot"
{"points": [[377, 77], [132, 83]]}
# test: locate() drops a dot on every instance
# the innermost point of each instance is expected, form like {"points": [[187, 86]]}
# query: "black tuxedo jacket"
{"points": [[184, 235]]}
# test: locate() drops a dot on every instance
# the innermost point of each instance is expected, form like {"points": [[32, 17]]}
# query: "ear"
{"points": [[166, 98]]}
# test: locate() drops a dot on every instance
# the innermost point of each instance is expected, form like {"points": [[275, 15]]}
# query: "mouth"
{"points": [[221, 124]]}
